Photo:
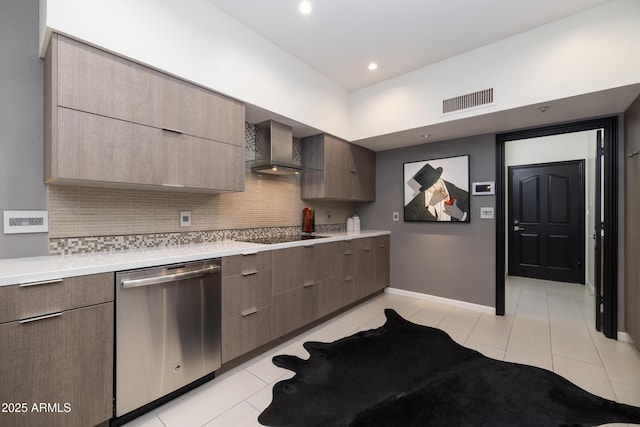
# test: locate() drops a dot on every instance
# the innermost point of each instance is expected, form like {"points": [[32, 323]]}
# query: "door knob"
{"points": [[517, 228]]}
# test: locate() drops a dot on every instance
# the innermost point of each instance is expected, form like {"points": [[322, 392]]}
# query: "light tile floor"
{"points": [[550, 325]]}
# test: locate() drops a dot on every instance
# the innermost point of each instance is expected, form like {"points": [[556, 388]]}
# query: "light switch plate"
{"points": [[396, 216], [486, 213], [17, 222], [185, 218]]}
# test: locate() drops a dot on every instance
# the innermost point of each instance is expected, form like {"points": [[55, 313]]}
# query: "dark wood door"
{"points": [[546, 221]]}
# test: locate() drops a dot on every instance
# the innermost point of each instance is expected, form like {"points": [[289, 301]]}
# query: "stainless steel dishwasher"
{"points": [[167, 331]]}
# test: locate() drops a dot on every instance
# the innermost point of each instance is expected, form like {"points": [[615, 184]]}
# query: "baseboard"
{"points": [[441, 300], [622, 336], [625, 337], [591, 288]]}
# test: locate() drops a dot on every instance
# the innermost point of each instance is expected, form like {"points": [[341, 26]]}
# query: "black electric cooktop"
{"points": [[280, 239]]}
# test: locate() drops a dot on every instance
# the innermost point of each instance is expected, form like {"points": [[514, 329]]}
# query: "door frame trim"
{"points": [[610, 244]]}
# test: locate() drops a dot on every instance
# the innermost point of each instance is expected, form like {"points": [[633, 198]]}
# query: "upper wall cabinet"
{"points": [[334, 169], [110, 121]]}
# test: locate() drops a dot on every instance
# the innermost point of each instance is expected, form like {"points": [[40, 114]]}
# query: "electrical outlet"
{"points": [[185, 218], [328, 215], [396, 216]]}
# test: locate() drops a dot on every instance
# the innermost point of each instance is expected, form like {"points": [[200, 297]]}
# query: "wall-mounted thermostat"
{"points": [[485, 188], [17, 222]]}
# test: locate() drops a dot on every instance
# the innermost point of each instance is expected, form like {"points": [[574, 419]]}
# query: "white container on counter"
{"points": [[349, 225], [356, 223]]}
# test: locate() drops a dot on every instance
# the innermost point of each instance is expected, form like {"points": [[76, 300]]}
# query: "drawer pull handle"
{"points": [[381, 246], [249, 311], [246, 253], [179, 132], [348, 252], [249, 272], [35, 319], [309, 284], [44, 282], [353, 171], [367, 249], [348, 278]]}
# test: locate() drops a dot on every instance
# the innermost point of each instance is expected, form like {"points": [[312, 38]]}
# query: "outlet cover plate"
{"points": [[185, 218]]}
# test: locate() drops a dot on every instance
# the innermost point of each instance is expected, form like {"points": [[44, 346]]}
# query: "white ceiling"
{"points": [[340, 37]]}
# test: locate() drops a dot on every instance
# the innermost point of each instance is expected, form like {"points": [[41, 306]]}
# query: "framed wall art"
{"points": [[437, 190]]}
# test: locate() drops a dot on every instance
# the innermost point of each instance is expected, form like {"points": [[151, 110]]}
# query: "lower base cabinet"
{"points": [[246, 303], [60, 369], [241, 334], [270, 294]]}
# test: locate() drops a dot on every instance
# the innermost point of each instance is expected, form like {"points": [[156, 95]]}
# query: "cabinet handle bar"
{"points": [[179, 132], [249, 311], [44, 282], [35, 319]]}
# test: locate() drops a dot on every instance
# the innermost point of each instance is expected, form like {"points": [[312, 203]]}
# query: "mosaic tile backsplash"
{"points": [[78, 245], [92, 219]]}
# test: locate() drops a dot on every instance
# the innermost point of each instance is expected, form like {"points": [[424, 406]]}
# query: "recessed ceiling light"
{"points": [[426, 135], [543, 109], [305, 7], [372, 66]]}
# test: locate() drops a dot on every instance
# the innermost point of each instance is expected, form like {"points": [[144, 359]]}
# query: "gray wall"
{"points": [[631, 289], [21, 123], [448, 260]]}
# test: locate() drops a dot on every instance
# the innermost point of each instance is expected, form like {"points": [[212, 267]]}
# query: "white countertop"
{"points": [[35, 269]]}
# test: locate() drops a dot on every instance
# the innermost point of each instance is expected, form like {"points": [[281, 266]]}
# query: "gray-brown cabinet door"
{"points": [[246, 303], [105, 150], [65, 361], [381, 262], [336, 170], [546, 221], [96, 81]]}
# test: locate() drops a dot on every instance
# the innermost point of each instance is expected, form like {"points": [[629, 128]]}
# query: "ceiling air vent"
{"points": [[469, 100]]}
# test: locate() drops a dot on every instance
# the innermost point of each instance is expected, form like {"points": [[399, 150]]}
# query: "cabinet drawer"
{"points": [[64, 359], [100, 149], [40, 298], [293, 309], [243, 264], [243, 294], [242, 334], [98, 82]]}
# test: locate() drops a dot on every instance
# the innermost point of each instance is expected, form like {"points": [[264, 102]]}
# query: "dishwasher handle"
{"points": [[156, 280]]}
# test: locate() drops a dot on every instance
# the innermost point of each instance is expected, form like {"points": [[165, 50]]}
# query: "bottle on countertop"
{"points": [[308, 221], [349, 225], [356, 223]]}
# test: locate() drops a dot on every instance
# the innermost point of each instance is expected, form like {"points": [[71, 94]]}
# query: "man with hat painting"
{"points": [[436, 199]]}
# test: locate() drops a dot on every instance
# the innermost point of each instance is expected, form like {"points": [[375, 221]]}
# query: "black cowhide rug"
{"points": [[403, 374]]}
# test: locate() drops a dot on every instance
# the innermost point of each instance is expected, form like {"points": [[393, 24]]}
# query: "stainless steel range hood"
{"points": [[274, 149]]}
